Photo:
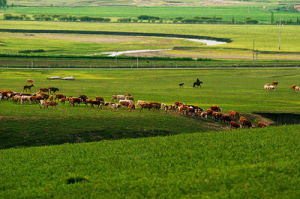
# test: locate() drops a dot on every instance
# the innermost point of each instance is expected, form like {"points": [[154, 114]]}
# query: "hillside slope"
{"points": [[257, 163]]}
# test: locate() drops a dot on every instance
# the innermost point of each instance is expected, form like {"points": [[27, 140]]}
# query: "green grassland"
{"points": [[193, 160], [259, 163], [240, 90], [137, 2], [242, 36], [239, 13]]}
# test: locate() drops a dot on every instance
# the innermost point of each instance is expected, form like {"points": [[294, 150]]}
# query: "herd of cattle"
{"points": [[46, 97]]}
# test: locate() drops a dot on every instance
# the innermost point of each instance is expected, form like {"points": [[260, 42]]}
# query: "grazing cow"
{"points": [[125, 102], [83, 97], [234, 124], [155, 105], [44, 90], [216, 108], [52, 89], [46, 103], [94, 102], [234, 115], [59, 96], [127, 94], [181, 85], [29, 81], [216, 115], [293, 86], [28, 88], [145, 105], [269, 87], [16, 98], [209, 112], [226, 118], [41, 96], [246, 123], [275, 83], [129, 98], [261, 125], [118, 97], [63, 100], [99, 98], [165, 107], [178, 104], [51, 97], [25, 99], [74, 100], [131, 107], [114, 106]]}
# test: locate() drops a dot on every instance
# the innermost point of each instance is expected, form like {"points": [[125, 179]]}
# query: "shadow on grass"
{"points": [[281, 118]]}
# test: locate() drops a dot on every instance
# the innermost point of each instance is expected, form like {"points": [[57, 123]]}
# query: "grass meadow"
{"points": [[258, 163], [232, 89], [242, 36], [189, 158]]}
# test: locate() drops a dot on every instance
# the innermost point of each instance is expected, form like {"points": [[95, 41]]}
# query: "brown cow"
{"points": [[234, 124], [226, 118], [99, 98], [293, 86], [209, 112], [275, 83], [145, 106], [44, 90], [25, 88], [52, 89], [59, 96], [155, 105], [75, 100], [216, 108], [234, 115], [131, 107], [261, 125], [216, 115], [246, 123]]}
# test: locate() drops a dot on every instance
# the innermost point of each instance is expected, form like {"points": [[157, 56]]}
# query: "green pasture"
{"points": [[239, 13], [133, 3], [88, 45], [232, 89], [257, 163], [266, 36]]}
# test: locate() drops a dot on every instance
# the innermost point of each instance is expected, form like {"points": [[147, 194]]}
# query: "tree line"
{"points": [[152, 19], [3, 3], [65, 18]]}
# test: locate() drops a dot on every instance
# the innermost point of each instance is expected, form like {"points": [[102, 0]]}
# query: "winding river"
{"points": [[205, 41]]}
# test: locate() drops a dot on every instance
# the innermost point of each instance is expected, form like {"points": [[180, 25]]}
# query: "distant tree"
{"points": [[272, 17]]}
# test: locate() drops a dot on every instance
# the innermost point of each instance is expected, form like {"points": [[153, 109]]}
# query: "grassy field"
{"points": [[242, 36], [259, 163], [141, 3], [240, 13], [240, 90], [191, 160]]}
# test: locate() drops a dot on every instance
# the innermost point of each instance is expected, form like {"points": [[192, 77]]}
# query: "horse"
{"points": [[25, 88], [181, 85], [197, 83]]}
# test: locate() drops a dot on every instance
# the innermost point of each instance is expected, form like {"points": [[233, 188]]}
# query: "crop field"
{"points": [[144, 3], [239, 13]]}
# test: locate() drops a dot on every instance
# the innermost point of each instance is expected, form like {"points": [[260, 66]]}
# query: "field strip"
{"points": [[117, 33], [129, 69]]}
